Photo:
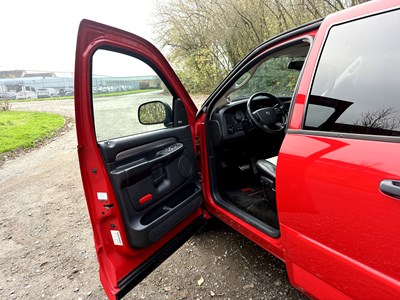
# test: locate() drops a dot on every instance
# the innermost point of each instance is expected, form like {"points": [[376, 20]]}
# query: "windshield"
{"points": [[277, 74]]}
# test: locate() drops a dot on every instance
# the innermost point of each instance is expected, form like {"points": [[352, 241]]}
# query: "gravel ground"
{"points": [[46, 243]]}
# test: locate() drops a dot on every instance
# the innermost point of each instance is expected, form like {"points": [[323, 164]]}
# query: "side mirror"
{"points": [[155, 112]]}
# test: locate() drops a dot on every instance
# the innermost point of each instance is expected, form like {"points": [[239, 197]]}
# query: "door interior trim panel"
{"points": [[155, 180]]}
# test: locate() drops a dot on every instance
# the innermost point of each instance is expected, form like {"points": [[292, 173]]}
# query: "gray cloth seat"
{"points": [[267, 169]]}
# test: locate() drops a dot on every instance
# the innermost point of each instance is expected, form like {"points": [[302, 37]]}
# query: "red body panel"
{"points": [[336, 222]]}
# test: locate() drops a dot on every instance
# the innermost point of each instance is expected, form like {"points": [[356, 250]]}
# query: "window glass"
{"points": [[277, 74], [320, 115], [357, 82], [120, 84]]}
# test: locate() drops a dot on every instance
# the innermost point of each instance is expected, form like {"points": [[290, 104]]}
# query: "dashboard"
{"points": [[231, 121]]}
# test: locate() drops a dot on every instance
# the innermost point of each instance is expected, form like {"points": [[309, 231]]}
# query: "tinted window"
{"points": [[357, 82]]}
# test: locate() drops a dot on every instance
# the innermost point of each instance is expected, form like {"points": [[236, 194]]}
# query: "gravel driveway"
{"points": [[46, 243]]}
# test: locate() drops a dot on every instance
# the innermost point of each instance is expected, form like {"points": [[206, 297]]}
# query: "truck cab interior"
{"points": [[246, 127]]}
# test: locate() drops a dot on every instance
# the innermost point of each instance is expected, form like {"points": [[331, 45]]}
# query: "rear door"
{"points": [[338, 177], [136, 152]]}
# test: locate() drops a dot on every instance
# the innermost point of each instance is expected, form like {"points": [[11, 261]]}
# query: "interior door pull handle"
{"points": [[390, 187]]}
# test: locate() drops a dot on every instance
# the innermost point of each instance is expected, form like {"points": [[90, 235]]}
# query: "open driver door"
{"points": [[136, 154]]}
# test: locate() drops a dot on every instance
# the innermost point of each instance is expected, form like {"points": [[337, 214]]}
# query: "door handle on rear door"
{"points": [[390, 187]]}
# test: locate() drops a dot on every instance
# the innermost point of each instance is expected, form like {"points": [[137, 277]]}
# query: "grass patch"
{"points": [[20, 129]]}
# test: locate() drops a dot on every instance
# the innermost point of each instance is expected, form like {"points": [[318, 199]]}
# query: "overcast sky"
{"points": [[41, 34]]}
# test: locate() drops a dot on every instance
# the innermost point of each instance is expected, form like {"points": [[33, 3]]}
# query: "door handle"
{"points": [[390, 187]]}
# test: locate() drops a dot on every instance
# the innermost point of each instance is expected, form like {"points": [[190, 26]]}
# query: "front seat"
{"points": [[267, 169]]}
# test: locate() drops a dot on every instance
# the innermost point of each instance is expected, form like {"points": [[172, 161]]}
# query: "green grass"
{"points": [[20, 129]]}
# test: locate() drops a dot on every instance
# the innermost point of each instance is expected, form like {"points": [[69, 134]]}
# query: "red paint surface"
{"points": [[337, 223]]}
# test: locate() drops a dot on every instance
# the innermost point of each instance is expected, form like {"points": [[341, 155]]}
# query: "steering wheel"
{"points": [[269, 119]]}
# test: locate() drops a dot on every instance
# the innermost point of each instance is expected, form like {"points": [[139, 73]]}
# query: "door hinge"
{"points": [[200, 177]]}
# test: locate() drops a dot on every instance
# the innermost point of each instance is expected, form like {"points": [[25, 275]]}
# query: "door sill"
{"points": [[248, 218]]}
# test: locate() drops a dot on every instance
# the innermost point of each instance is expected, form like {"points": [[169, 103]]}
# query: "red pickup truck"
{"points": [[296, 149]]}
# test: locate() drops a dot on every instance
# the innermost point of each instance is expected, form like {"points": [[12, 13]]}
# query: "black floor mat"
{"points": [[252, 201]]}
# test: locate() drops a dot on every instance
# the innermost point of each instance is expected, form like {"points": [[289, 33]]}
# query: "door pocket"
{"points": [[161, 218], [184, 195]]}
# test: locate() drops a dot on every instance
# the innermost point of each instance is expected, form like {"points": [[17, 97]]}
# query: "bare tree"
{"points": [[385, 119]]}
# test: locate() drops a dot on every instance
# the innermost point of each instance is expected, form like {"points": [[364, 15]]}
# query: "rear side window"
{"points": [[356, 88]]}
